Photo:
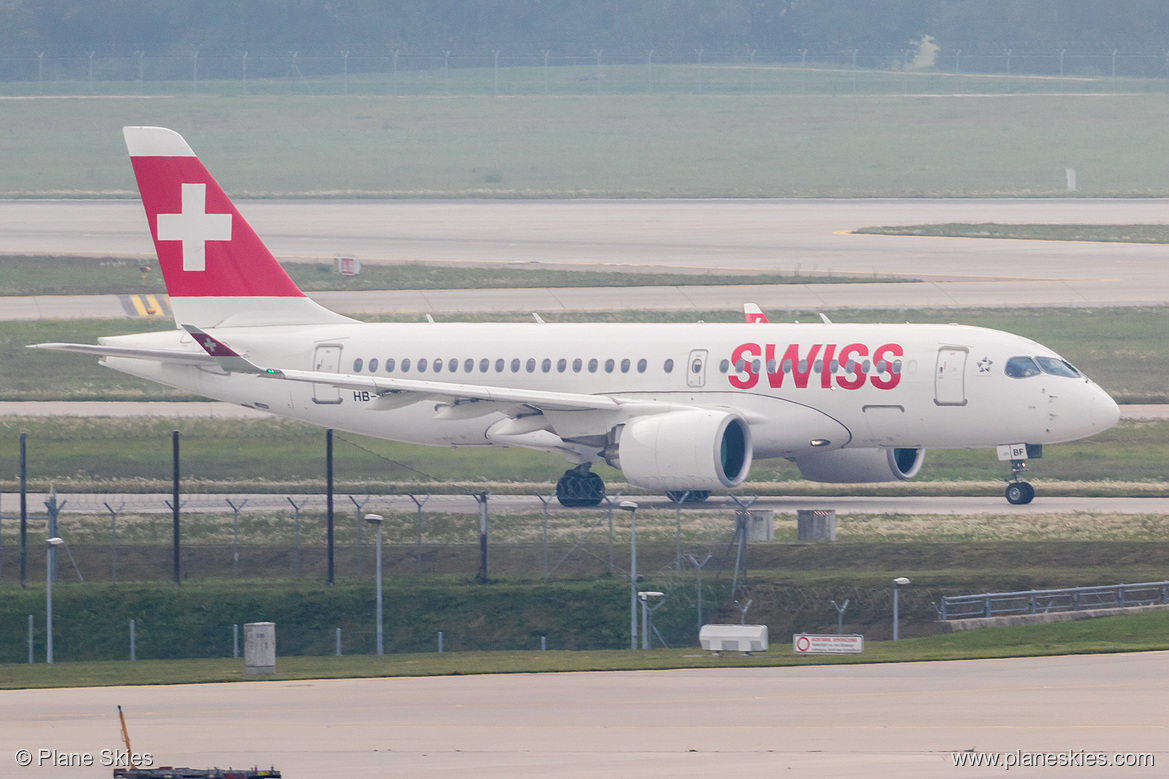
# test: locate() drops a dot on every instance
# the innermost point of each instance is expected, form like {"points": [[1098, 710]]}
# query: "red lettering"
{"points": [[744, 352], [826, 368], [851, 353], [887, 353]]}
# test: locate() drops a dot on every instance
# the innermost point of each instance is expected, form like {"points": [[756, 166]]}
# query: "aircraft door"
{"points": [[327, 359], [696, 368], [950, 376]]}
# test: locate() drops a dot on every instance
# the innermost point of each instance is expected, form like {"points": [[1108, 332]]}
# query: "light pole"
{"points": [[898, 583], [645, 596], [377, 519], [631, 507], [50, 546]]}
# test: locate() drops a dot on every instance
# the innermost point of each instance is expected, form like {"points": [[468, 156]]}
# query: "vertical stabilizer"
{"points": [[217, 270]]}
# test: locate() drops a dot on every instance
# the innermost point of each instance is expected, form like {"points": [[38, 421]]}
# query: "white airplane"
{"points": [[682, 408]]}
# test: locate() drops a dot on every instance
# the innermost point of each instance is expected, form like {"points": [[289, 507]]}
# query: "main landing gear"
{"points": [[580, 487], [1019, 492]]}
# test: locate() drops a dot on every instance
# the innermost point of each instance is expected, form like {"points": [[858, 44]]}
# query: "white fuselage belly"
{"points": [[947, 390]]}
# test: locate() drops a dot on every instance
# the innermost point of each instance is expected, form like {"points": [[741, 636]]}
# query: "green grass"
{"points": [[36, 275], [1135, 233], [656, 145], [272, 454], [1134, 633]]}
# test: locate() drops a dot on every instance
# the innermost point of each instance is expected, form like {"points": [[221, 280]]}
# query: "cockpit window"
{"points": [[1057, 367], [1021, 367]]}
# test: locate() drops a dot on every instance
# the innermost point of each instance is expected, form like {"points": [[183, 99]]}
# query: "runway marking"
{"points": [[145, 305]]}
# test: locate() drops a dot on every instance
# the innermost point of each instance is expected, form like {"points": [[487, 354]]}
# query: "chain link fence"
{"points": [[402, 73]]}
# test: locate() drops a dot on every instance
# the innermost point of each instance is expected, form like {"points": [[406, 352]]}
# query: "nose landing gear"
{"points": [[580, 487], [1019, 492]]}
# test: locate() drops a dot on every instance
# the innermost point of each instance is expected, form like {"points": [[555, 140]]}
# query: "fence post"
{"points": [[481, 499], [329, 505], [133, 647], [440, 642], [338, 642], [418, 504], [235, 535], [114, 538], [31, 659]]}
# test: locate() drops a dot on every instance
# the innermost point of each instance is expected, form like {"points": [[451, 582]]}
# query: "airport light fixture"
{"points": [[631, 507], [50, 546], [646, 612], [377, 519], [898, 583]]}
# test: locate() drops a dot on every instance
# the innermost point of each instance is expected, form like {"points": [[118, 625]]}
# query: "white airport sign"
{"points": [[806, 644]]}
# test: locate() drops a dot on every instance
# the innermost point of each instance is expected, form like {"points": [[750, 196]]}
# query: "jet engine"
{"points": [[854, 466], [698, 449]]}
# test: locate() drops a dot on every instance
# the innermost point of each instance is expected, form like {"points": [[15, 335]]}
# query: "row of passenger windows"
{"points": [[1024, 367], [774, 367], [453, 365]]}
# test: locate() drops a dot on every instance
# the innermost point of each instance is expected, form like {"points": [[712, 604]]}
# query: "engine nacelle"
{"points": [[853, 466], [698, 449]]}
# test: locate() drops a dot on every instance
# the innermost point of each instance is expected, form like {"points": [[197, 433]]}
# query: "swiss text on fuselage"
{"points": [[795, 365]]}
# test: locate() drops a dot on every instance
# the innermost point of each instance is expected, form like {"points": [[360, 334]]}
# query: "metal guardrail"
{"points": [[992, 604]]}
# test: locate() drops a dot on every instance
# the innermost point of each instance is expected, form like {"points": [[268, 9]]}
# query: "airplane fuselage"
{"points": [[839, 385]]}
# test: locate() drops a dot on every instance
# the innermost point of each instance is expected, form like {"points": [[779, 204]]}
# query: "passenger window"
{"points": [[1021, 368], [438, 366], [499, 365], [593, 365], [422, 365], [546, 365], [669, 366], [373, 365], [515, 364], [610, 364], [531, 364], [1057, 367], [723, 366], [642, 365], [406, 365], [625, 365], [389, 365], [576, 365], [453, 365], [561, 365], [357, 365]]}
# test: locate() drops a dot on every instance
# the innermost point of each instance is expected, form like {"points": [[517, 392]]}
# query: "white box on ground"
{"points": [[733, 638], [805, 644], [260, 648]]}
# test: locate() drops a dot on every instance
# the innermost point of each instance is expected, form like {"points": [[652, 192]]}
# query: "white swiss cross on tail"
{"points": [[194, 227]]}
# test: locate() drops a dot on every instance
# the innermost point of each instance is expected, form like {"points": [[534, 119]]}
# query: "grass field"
{"points": [[1145, 632], [1136, 233], [800, 145]]}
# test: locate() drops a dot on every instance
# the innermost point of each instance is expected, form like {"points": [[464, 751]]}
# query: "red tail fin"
{"points": [[209, 255]]}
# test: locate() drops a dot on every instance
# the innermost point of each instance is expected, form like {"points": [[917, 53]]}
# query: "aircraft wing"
{"points": [[161, 355], [381, 386]]}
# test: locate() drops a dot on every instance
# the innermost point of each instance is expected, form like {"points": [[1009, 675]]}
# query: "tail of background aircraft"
{"points": [[217, 270]]}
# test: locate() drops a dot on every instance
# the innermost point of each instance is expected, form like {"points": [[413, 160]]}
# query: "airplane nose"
{"points": [[1105, 412]]}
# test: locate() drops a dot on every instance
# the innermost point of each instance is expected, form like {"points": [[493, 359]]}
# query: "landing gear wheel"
{"points": [[687, 496], [580, 487], [1020, 493]]}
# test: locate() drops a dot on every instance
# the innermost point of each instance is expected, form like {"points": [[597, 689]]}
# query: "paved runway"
{"points": [[900, 720], [691, 235]]}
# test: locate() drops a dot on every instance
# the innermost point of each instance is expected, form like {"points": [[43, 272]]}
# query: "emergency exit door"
{"points": [[950, 376]]}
